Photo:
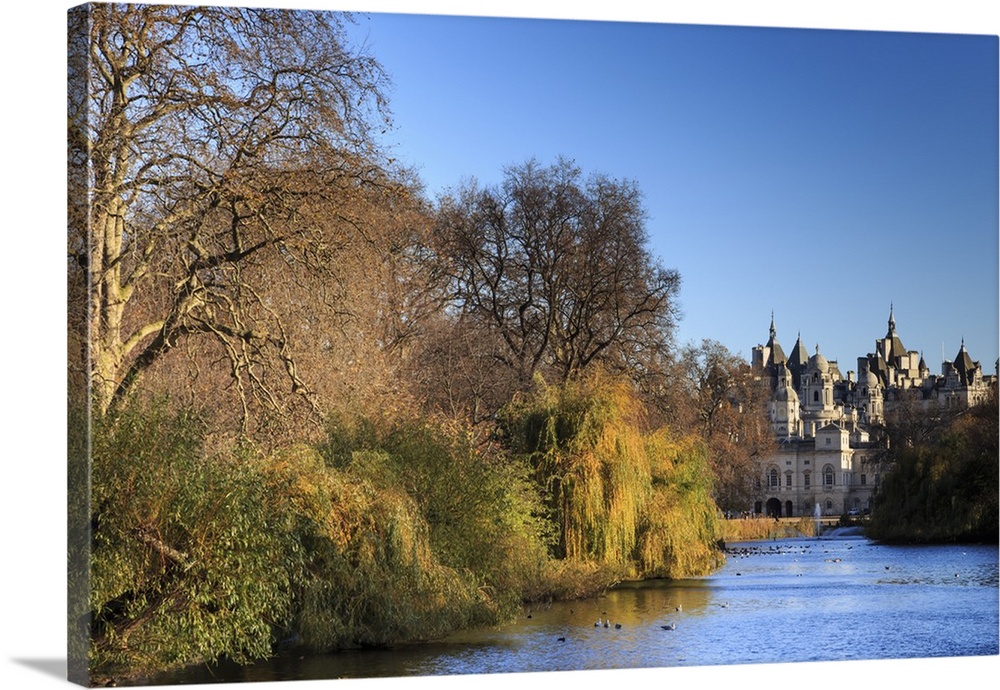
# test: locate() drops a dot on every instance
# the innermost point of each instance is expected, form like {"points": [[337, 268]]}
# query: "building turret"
{"points": [[870, 398], [816, 394], [891, 347], [766, 359], [797, 361], [785, 418], [965, 368]]}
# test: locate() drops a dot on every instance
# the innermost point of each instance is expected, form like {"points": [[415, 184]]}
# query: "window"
{"points": [[772, 478], [815, 396], [827, 440], [805, 480], [828, 476], [788, 479], [864, 479]]}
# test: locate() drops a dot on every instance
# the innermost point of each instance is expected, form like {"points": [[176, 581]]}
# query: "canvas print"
{"points": [[414, 345]]}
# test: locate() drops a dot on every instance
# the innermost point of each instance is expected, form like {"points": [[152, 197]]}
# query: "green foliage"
{"points": [[388, 532], [945, 489], [387, 536], [371, 576], [479, 504], [633, 502], [189, 561]]}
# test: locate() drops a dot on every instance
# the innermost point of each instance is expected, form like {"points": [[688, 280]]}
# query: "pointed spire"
{"points": [[892, 319], [773, 330]]}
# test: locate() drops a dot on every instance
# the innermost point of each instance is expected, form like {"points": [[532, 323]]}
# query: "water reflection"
{"points": [[791, 600]]}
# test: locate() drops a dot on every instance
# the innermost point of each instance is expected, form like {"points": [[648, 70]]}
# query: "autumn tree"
{"points": [[727, 407], [460, 370], [215, 153], [558, 267]]}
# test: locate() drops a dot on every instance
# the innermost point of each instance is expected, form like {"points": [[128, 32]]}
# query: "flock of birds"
{"points": [[606, 622]]}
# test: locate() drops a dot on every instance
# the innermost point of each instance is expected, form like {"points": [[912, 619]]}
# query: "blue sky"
{"points": [[822, 174]]}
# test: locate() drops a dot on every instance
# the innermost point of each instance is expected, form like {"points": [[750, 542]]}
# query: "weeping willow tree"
{"points": [[681, 529], [635, 502]]}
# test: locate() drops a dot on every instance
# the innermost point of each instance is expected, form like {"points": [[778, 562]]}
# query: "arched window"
{"points": [[815, 396], [772, 478], [805, 479], [828, 475]]}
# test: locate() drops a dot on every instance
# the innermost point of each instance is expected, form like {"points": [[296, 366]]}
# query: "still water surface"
{"points": [[826, 599]]}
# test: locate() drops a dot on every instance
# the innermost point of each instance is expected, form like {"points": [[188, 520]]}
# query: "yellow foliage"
{"points": [[621, 497]]}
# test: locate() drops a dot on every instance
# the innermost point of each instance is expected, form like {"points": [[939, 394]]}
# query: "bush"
{"points": [[371, 577], [189, 562], [479, 505], [405, 536]]}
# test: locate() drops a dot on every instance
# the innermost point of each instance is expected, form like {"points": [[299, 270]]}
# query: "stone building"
{"points": [[823, 421]]}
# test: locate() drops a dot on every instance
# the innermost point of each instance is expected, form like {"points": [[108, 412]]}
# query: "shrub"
{"points": [[189, 562], [945, 489], [478, 504]]}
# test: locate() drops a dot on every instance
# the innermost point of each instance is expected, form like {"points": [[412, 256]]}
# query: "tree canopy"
{"points": [[219, 151], [558, 267]]}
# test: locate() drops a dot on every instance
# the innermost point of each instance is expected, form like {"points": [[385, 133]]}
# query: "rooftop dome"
{"points": [[818, 362], [786, 394]]}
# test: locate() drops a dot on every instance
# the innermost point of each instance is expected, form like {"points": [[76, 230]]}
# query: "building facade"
{"points": [[823, 422]]}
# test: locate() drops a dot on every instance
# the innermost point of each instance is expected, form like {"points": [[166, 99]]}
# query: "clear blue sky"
{"points": [[821, 174]]}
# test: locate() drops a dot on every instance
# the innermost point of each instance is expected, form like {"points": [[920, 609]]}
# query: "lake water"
{"points": [[826, 599]]}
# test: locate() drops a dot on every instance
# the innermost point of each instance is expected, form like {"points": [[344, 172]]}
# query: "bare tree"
{"points": [[214, 153], [461, 372], [558, 268]]}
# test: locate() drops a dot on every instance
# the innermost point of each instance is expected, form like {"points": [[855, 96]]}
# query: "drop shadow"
{"points": [[50, 667]]}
